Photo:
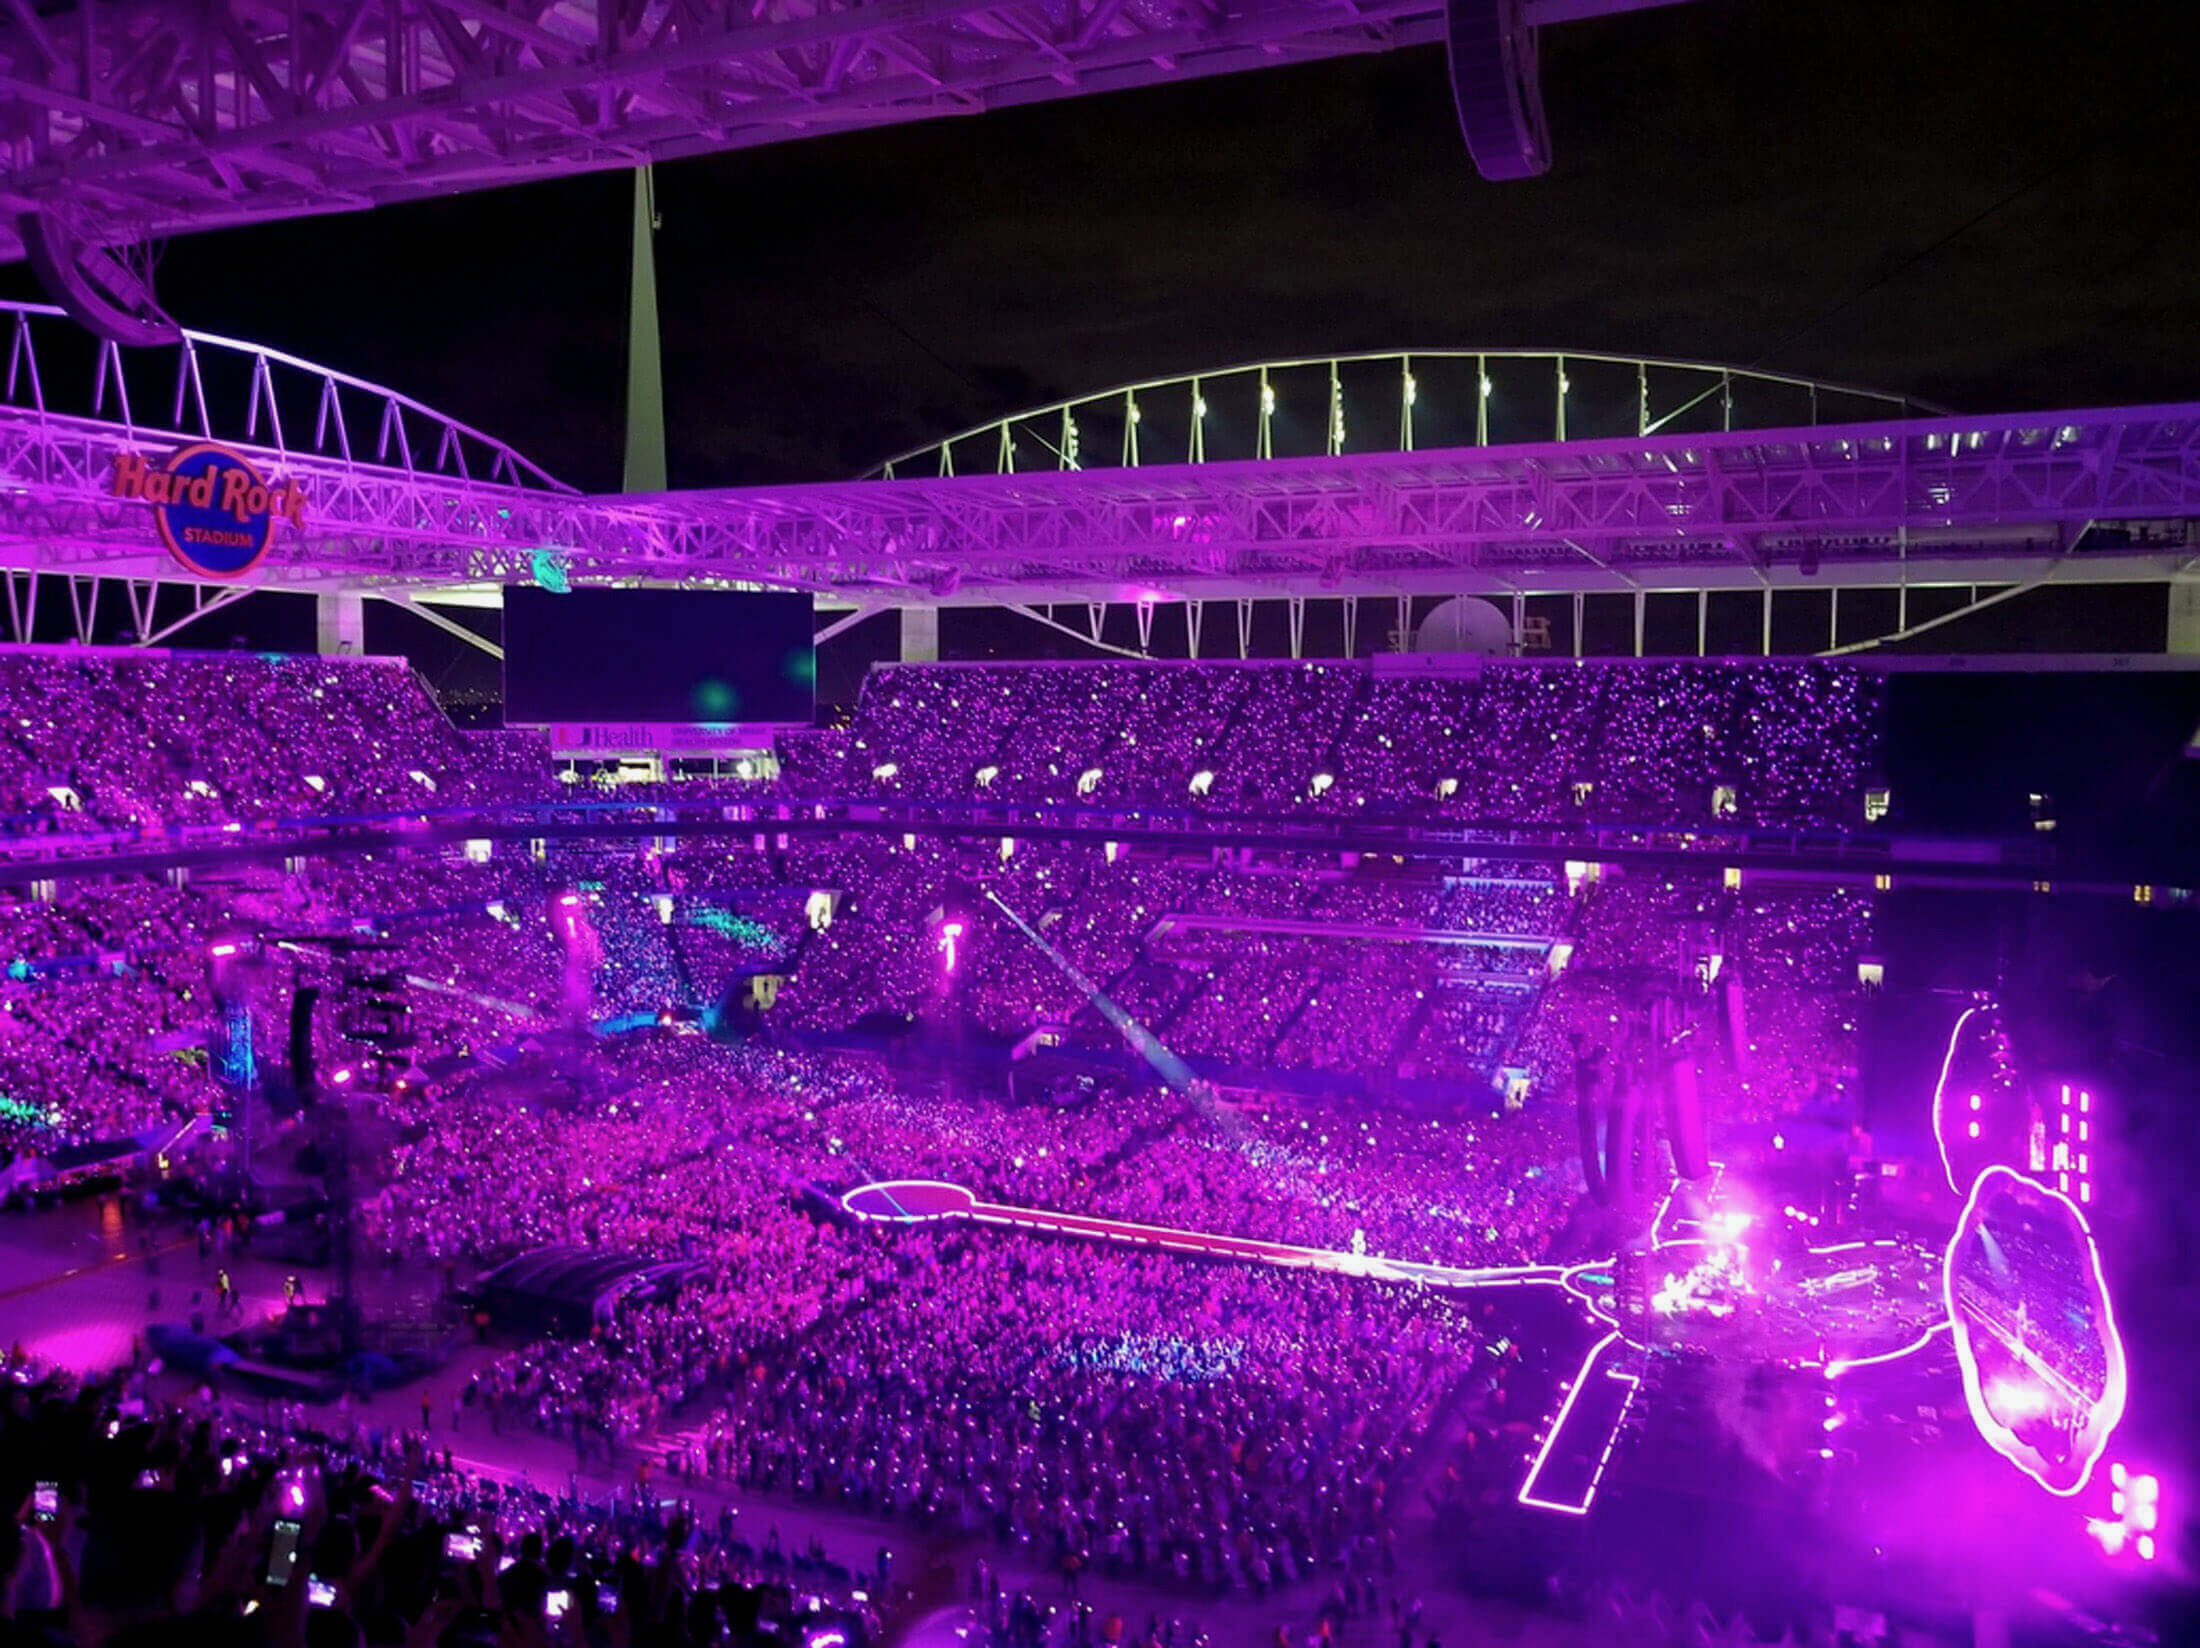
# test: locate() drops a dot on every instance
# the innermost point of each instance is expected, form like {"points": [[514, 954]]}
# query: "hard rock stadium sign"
{"points": [[214, 510]]}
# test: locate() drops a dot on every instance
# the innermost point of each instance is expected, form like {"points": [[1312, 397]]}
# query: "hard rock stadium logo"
{"points": [[215, 511]]}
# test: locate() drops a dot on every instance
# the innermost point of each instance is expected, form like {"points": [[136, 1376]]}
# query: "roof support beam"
{"points": [[442, 621]]}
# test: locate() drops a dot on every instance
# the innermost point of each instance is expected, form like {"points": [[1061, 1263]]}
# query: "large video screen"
{"points": [[664, 655]]}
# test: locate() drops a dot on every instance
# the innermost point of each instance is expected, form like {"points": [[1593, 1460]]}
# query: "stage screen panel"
{"points": [[658, 655]]}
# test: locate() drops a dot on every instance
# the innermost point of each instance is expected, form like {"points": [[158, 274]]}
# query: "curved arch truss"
{"points": [[1317, 406]]}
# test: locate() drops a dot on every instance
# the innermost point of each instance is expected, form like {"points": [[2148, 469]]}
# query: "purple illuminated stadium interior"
{"points": [[1356, 998], [1287, 1146], [1445, 1040]]}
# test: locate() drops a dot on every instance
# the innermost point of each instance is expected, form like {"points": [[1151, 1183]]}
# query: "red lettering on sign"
{"points": [[129, 475]]}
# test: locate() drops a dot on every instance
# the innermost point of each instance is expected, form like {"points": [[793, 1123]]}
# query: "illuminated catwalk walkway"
{"points": [[919, 1201]]}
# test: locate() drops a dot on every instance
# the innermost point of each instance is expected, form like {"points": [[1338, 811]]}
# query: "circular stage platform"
{"points": [[909, 1201]]}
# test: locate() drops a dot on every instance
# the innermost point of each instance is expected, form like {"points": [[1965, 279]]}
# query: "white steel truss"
{"points": [[402, 500], [1307, 406]]}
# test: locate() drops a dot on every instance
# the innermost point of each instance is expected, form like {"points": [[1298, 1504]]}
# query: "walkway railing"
{"points": [[1801, 850]]}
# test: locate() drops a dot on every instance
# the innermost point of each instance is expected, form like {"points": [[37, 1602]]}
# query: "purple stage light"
{"points": [[2134, 1514], [2074, 1167]]}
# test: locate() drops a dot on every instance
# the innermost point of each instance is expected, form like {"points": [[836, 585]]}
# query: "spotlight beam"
{"points": [[1171, 1069]]}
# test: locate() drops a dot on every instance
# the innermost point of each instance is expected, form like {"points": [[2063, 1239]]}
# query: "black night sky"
{"points": [[1988, 206]]}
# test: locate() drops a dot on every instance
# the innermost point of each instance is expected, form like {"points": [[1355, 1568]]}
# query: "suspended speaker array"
{"points": [[301, 1037]]}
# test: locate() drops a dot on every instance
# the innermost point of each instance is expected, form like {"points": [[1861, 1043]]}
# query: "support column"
{"points": [[920, 635], [340, 624], [2184, 619], [645, 384]]}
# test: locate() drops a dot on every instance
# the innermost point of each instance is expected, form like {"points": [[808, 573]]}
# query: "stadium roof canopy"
{"points": [[132, 119], [403, 502]]}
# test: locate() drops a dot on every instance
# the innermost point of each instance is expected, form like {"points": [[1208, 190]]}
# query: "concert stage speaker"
{"points": [[1734, 1023], [1622, 1139], [1589, 1088], [1684, 1118], [100, 287], [1496, 87], [301, 1037]]}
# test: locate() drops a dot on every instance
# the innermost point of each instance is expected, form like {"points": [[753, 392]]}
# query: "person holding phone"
{"points": [[282, 1555], [44, 1578]]}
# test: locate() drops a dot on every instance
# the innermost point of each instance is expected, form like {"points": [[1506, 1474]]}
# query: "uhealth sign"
{"points": [[215, 511]]}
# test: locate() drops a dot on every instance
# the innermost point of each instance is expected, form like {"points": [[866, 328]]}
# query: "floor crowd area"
{"points": [[687, 1048]]}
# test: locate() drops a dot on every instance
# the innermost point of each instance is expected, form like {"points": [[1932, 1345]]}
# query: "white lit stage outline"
{"points": [[1604, 1388], [919, 1201], [1599, 1396], [2049, 1423], [1940, 1097]]}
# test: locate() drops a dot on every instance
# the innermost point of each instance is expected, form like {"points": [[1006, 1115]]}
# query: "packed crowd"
{"points": [[1302, 990], [187, 1522], [1223, 1425], [1291, 963], [189, 1518], [114, 1043], [1080, 1404], [1774, 985], [1408, 986], [1775, 744], [1088, 1407], [95, 740], [1441, 1189]]}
